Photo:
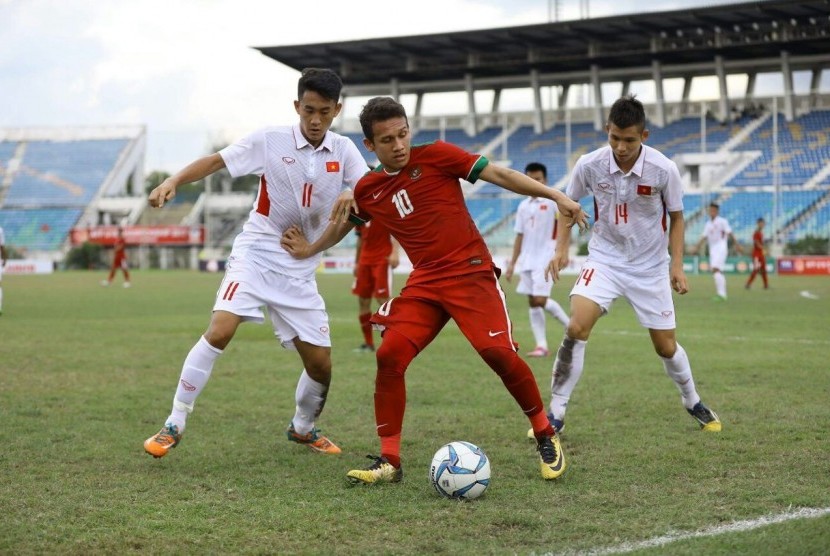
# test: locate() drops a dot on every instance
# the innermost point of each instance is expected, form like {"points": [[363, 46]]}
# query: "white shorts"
{"points": [[296, 308], [649, 296], [717, 257], [532, 282]]}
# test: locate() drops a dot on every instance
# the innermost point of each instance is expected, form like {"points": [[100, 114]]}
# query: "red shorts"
{"points": [[120, 261], [373, 280], [474, 301]]}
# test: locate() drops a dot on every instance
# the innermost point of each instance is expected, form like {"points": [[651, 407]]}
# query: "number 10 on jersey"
{"points": [[402, 203]]}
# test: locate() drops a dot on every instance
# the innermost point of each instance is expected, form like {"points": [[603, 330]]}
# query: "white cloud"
{"points": [[187, 69]]}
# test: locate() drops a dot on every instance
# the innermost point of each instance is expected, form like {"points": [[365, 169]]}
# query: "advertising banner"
{"points": [[813, 265], [141, 235]]}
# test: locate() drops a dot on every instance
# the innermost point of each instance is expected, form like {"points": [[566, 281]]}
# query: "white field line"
{"points": [[644, 333], [758, 339], [734, 527]]}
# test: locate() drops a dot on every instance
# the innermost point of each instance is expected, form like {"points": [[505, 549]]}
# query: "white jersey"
{"points": [[630, 227], [536, 221], [298, 185], [716, 231]]}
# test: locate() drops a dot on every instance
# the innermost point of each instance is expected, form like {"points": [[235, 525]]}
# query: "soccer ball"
{"points": [[460, 470]]}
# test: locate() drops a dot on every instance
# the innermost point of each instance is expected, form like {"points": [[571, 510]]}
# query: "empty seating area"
{"points": [[684, 135], [804, 149], [62, 173], [46, 185], [38, 229]]}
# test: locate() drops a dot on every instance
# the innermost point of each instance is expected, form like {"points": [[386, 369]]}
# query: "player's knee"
{"points": [[394, 354], [219, 337], [577, 330], [666, 349], [500, 359]]}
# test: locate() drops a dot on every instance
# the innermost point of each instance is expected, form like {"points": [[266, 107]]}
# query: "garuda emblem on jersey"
{"points": [[415, 172]]}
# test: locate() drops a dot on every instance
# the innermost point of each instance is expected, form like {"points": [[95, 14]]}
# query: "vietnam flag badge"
{"points": [[333, 166], [643, 190]]}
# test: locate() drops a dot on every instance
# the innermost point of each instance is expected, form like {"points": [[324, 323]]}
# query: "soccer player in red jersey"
{"points": [[375, 257], [119, 260], [415, 192], [759, 260]]}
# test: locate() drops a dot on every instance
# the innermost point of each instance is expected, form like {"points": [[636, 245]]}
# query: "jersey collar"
{"points": [[302, 142], [637, 169]]}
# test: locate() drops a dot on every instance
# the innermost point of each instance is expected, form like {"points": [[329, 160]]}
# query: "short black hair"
{"points": [[760, 219], [714, 205], [537, 167], [380, 109], [322, 81], [627, 111]]}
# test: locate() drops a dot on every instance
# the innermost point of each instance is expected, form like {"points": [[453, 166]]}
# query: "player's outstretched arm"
{"points": [[560, 256], [194, 171], [519, 183], [343, 206], [294, 241], [677, 233]]}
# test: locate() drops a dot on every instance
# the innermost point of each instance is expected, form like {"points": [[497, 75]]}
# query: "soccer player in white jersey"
{"points": [[717, 232], [3, 259], [536, 230], [306, 178], [635, 188]]}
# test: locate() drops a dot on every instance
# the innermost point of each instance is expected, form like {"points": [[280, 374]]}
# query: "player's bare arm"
{"points": [[194, 171], [517, 182], [560, 256], [677, 233], [295, 243], [517, 249], [343, 206]]}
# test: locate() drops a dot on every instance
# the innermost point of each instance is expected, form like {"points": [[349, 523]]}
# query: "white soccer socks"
{"points": [[680, 371], [195, 373], [567, 369], [310, 398]]}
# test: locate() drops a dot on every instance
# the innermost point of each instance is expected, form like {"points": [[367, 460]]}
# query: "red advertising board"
{"points": [[804, 265], [141, 235]]}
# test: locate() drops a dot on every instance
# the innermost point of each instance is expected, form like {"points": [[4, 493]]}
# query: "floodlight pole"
{"points": [[776, 183]]}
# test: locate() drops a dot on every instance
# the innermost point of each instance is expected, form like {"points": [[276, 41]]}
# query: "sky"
{"points": [[186, 69]]}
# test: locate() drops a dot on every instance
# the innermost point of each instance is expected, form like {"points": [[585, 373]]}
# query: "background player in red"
{"points": [[376, 255], [416, 194], [759, 260], [119, 260]]}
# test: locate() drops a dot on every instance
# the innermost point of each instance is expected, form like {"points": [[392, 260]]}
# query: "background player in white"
{"points": [[3, 258], [717, 232], [536, 230], [633, 187], [306, 175]]}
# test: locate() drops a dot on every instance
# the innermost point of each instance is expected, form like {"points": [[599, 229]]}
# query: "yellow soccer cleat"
{"points": [[160, 443], [557, 424], [706, 418], [552, 460], [381, 471]]}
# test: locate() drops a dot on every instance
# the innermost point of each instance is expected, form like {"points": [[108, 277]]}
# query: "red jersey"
{"points": [[423, 207], [758, 243], [119, 252], [375, 243]]}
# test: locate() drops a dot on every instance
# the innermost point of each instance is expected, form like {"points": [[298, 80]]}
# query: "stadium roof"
{"points": [[684, 41]]}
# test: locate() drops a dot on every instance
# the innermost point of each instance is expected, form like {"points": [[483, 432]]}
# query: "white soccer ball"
{"points": [[460, 470]]}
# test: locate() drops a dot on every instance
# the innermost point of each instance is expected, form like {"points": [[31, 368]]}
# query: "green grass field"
{"points": [[87, 373]]}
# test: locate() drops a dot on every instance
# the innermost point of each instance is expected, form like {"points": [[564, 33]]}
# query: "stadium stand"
{"points": [[54, 179]]}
